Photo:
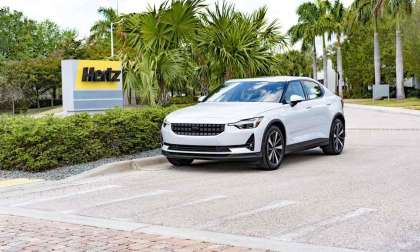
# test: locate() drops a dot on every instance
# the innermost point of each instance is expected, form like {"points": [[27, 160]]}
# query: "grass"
{"points": [[409, 103], [38, 111]]}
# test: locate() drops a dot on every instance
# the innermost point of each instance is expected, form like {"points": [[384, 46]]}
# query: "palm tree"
{"points": [[306, 30], [102, 28], [324, 25], [239, 45], [160, 37], [371, 10], [338, 13], [313, 21], [398, 8]]}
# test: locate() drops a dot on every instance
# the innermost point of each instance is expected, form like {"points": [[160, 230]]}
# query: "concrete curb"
{"points": [[122, 166], [391, 110]]}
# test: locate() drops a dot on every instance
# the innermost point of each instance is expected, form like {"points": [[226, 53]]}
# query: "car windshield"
{"points": [[249, 91]]}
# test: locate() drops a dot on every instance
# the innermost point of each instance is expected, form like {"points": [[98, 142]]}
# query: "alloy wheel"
{"points": [[275, 148], [338, 137]]}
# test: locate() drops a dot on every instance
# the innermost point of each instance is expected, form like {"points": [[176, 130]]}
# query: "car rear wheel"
{"points": [[272, 149], [180, 162], [336, 140]]}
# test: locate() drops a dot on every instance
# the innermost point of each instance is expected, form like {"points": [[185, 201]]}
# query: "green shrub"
{"points": [[37, 144], [184, 100]]}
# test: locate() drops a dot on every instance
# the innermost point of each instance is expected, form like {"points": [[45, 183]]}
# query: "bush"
{"points": [[184, 100], [413, 93], [37, 144]]}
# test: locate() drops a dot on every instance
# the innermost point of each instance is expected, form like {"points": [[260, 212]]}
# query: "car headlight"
{"points": [[247, 123], [165, 123]]}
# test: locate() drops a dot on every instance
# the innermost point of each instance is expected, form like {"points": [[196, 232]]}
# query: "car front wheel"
{"points": [[272, 149], [336, 140], [180, 162]]}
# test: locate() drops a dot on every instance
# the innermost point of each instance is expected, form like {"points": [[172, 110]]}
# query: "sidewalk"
{"points": [[384, 109], [28, 234]]}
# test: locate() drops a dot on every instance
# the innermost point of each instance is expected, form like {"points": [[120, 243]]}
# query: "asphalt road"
{"points": [[368, 198]]}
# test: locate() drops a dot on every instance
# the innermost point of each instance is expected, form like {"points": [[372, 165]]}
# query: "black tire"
{"points": [[180, 162], [336, 140], [272, 149]]}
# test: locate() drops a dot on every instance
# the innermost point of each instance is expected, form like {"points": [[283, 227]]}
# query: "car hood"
{"points": [[220, 112]]}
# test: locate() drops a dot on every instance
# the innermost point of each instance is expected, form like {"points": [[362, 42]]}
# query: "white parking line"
{"points": [[200, 201], [300, 232], [143, 195], [30, 202], [272, 206]]}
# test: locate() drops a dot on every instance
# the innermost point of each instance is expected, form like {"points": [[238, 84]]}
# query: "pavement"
{"points": [[19, 234], [366, 199]]}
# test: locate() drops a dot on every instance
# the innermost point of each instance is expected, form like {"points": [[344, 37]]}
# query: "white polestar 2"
{"points": [[259, 120]]}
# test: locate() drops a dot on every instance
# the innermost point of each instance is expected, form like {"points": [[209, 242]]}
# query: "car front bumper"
{"points": [[232, 143]]}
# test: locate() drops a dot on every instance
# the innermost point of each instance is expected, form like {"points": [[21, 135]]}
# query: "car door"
{"points": [[297, 118], [317, 109]]}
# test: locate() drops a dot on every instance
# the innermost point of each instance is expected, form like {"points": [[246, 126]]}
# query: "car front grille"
{"points": [[196, 148], [194, 129]]}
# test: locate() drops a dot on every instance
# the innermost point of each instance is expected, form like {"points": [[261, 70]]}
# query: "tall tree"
{"points": [[411, 42], [371, 10], [15, 35], [313, 22], [337, 15], [398, 8], [102, 28], [324, 25], [306, 30]]}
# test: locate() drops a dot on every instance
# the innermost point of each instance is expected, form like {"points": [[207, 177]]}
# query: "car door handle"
{"points": [[328, 104], [309, 107]]}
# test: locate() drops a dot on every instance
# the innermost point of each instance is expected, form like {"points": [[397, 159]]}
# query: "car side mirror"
{"points": [[295, 99], [201, 98]]}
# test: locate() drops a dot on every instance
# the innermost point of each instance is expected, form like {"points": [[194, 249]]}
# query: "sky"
{"points": [[82, 14]]}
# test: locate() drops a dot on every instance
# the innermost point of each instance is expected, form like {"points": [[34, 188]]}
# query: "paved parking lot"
{"points": [[365, 199]]}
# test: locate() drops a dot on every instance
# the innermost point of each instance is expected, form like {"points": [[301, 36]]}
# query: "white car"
{"points": [[259, 119]]}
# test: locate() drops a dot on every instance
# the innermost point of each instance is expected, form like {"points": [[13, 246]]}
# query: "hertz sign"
{"points": [[90, 74], [91, 85]]}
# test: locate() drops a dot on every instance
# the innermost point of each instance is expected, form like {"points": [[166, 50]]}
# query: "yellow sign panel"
{"points": [[98, 75]]}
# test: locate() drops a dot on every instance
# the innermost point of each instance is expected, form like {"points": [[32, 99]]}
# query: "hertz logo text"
{"points": [[108, 75]]}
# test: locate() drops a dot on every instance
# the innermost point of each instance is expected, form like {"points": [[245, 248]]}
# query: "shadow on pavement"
{"points": [[247, 167]]}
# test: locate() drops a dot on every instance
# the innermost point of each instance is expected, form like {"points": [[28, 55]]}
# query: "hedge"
{"points": [[184, 100], [38, 144]]}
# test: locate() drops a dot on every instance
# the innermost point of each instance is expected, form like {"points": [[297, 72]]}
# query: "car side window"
{"points": [[294, 88], [313, 90]]}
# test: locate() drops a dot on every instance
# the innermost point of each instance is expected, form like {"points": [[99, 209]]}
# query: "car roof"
{"points": [[273, 79]]}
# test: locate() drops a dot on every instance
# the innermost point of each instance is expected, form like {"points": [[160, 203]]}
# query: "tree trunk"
{"points": [[13, 107], [129, 96], [399, 65], [325, 60], [162, 92], [204, 87], [377, 58], [38, 105], [228, 75], [314, 63], [340, 68], [54, 95]]}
